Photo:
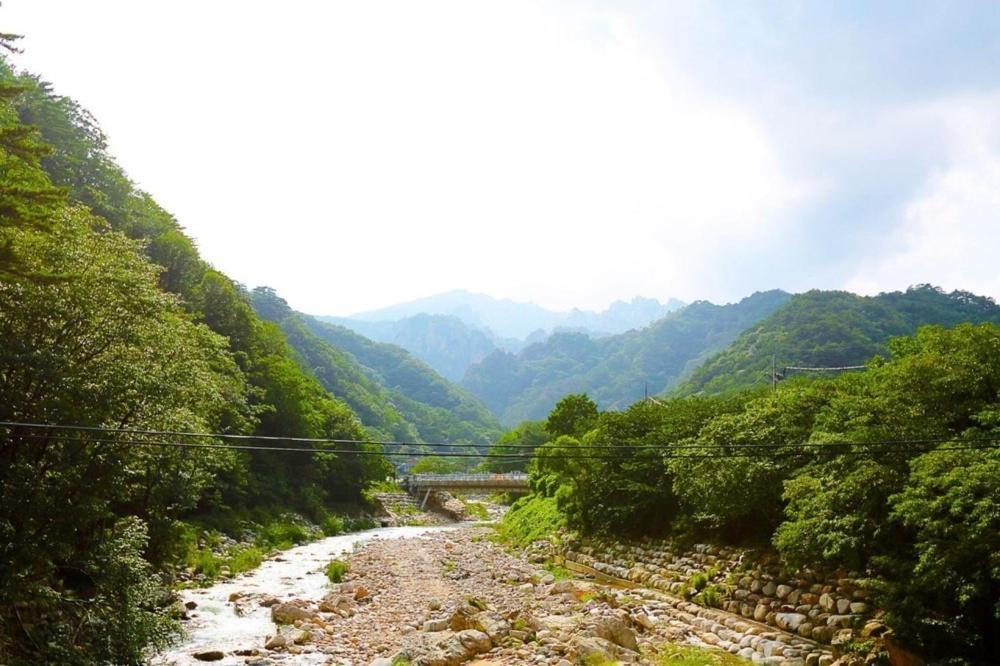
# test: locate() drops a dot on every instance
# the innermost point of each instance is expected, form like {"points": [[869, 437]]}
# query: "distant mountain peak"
{"points": [[507, 318]]}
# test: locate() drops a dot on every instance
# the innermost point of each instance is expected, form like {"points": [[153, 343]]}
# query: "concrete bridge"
{"points": [[510, 482]]}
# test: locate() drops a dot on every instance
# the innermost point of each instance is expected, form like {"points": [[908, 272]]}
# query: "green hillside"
{"points": [[833, 329], [615, 370], [110, 319], [393, 392]]}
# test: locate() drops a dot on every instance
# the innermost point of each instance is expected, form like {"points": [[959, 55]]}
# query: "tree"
{"points": [[103, 348], [573, 415], [437, 465]]}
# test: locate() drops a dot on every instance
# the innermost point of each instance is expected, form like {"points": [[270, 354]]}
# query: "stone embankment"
{"points": [[821, 607]]}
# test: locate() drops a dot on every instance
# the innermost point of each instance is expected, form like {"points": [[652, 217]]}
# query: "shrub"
{"points": [[530, 519], [246, 559], [333, 525], [336, 570]]}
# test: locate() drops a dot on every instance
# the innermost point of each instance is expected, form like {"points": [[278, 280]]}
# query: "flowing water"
{"points": [[296, 574]]}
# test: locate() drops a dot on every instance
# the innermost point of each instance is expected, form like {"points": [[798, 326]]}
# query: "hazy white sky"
{"points": [[357, 154]]}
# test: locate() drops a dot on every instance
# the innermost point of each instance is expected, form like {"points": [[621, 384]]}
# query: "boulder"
{"points": [[492, 625], [440, 624], [336, 603], [289, 613], [276, 642], [590, 649], [615, 630], [790, 621], [209, 655]]}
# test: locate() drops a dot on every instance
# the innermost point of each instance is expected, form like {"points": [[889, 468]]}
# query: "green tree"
{"points": [[573, 415], [104, 348], [521, 442]]}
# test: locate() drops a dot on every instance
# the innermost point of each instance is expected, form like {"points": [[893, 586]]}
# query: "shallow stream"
{"points": [[296, 574]]}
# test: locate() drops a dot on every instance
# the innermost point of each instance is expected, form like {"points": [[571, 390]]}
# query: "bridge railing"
{"points": [[504, 480]]}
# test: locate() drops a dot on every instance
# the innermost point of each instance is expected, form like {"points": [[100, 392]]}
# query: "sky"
{"points": [[358, 154]]}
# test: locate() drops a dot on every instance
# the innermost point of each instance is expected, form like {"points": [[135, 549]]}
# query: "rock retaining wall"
{"points": [[810, 604]]}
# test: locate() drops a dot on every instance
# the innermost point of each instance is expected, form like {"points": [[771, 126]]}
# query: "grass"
{"points": [[477, 510], [530, 519], [558, 572], [336, 570], [686, 655], [199, 544]]}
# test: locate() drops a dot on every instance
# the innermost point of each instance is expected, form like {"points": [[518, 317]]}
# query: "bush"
{"points": [[530, 519], [333, 525], [283, 535], [246, 559], [335, 570]]}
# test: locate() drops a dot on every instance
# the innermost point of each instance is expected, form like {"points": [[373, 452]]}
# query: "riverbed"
{"points": [[218, 624]]}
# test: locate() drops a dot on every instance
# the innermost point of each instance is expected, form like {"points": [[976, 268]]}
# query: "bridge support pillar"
{"points": [[426, 497]]}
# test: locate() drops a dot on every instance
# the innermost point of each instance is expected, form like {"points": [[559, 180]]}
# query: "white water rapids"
{"points": [[296, 574]]}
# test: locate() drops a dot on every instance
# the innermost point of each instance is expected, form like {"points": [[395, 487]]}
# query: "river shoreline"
{"points": [[216, 622], [445, 596]]}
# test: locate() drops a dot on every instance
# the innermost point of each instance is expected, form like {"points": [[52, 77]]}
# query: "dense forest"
{"points": [[615, 370], [110, 319], [893, 472], [399, 395], [833, 329]]}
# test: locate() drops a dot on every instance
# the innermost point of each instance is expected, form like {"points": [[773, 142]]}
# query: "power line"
{"points": [[825, 369], [667, 452], [549, 445]]}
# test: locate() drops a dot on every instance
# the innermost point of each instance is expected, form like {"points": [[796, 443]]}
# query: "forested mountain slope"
{"points": [[398, 393], [833, 328], [613, 370], [109, 318], [444, 342]]}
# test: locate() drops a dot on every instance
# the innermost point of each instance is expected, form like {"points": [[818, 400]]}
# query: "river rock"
{"points": [[492, 625], [209, 655], [615, 630], [289, 613], [440, 624], [789, 621]]}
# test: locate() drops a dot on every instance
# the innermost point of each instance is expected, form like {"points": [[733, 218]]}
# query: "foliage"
{"points": [[520, 441], [530, 519], [836, 472], [336, 570], [572, 416], [437, 465], [687, 655], [395, 395], [833, 328], [615, 370], [110, 318]]}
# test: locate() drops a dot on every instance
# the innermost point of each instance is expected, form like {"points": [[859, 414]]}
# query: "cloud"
{"points": [[352, 155], [948, 233]]}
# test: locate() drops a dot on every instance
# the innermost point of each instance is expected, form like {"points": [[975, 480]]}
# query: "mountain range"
{"points": [[457, 329], [699, 348], [614, 370]]}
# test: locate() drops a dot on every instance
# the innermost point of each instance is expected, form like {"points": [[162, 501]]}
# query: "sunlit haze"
{"points": [[354, 155]]}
